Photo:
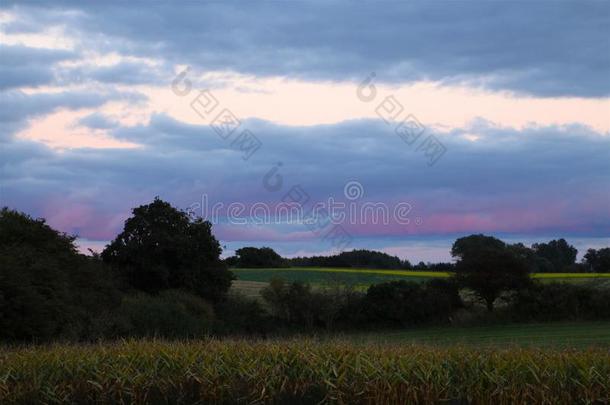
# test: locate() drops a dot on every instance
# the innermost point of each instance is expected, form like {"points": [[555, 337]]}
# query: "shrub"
{"points": [[298, 305], [560, 301], [240, 315], [47, 289], [171, 314], [407, 303]]}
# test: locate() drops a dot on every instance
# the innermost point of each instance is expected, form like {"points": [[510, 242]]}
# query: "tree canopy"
{"points": [[598, 260], [161, 248], [47, 289], [355, 258], [559, 253], [488, 267], [257, 257]]}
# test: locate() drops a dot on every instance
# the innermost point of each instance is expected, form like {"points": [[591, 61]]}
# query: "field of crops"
{"points": [[300, 371], [365, 277]]}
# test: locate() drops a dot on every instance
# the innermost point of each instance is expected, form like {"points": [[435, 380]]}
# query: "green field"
{"points": [[328, 276], [557, 334], [365, 277]]}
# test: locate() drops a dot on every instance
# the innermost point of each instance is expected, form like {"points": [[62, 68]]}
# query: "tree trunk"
{"points": [[490, 304]]}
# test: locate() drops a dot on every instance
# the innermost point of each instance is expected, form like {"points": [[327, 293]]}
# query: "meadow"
{"points": [[365, 277], [545, 335], [300, 371]]}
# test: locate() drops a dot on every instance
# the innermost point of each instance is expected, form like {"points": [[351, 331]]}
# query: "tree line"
{"points": [[163, 276], [555, 256]]}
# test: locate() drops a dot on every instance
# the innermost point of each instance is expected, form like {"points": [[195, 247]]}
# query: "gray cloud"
{"points": [[559, 173], [17, 107], [97, 121], [540, 48], [24, 66]]}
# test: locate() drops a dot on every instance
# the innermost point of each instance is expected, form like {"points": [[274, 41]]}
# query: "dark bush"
{"points": [[171, 314], [597, 260], [47, 289], [560, 301], [241, 315], [296, 304], [408, 303]]}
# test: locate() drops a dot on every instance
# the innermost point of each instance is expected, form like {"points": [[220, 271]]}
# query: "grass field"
{"points": [[365, 277], [557, 334], [300, 371]]}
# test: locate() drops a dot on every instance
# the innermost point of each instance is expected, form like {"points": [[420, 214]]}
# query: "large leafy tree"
{"points": [[598, 261], [162, 248], [558, 252], [489, 267]]}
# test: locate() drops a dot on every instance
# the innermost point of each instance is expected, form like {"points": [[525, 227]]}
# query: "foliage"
{"points": [[561, 301], [488, 267], [240, 315], [171, 314], [257, 257], [558, 253], [47, 289], [292, 303], [597, 261], [406, 303], [355, 258], [298, 305], [299, 371], [158, 275], [434, 267], [160, 248]]}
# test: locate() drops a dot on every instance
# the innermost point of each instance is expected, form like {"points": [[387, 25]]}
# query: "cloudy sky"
{"points": [[474, 116]]}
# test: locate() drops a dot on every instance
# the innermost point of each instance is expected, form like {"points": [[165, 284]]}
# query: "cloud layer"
{"points": [[518, 94]]}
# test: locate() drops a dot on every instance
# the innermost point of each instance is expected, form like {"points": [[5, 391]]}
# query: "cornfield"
{"points": [[299, 371]]}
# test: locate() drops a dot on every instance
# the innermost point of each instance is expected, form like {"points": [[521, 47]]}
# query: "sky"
{"points": [[410, 123]]}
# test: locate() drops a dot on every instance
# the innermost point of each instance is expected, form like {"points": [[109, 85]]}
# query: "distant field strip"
{"points": [[571, 275], [556, 334], [323, 275], [403, 273]]}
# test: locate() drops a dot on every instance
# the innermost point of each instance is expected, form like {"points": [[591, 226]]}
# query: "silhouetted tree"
{"points": [[558, 252], [258, 257], [361, 258], [488, 267], [162, 248], [231, 261], [597, 261], [47, 289]]}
